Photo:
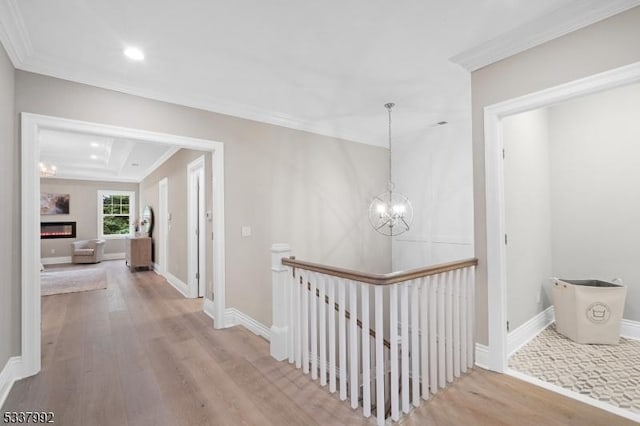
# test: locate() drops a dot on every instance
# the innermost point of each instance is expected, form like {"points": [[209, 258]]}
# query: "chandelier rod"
{"points": [[389, 106]]}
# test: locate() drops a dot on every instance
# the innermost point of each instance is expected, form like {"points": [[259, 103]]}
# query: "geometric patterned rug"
{"points": [[609, 373]]}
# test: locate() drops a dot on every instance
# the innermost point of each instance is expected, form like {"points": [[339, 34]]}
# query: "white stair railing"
{"points": [[418, 338]]}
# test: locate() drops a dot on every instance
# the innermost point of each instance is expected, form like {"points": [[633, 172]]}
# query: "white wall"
{"points": [[595, 151], [433, 169], [527, 215]]}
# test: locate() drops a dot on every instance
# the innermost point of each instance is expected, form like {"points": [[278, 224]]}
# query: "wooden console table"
{"points": [[138, 252]]}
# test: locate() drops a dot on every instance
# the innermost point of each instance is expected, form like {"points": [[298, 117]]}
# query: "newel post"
{"points": [[280, 328]]}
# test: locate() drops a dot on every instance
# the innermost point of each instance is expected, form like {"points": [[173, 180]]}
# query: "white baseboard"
{"points": [[114, 256], [67, 259], [630, 329], [55, 260], [530, 329], [156, 267], [209, 308], [177, 284], [11, 372], [575, 395], [482, 356], [232, 317]]}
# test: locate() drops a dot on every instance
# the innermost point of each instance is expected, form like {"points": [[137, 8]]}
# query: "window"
{"points": [[116, 211]]}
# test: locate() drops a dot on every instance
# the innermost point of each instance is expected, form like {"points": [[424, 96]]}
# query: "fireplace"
{"points": [[50, 230]]}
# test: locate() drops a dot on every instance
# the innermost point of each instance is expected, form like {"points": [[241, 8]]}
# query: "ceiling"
{"points": [[324, 66], [85, 156]]}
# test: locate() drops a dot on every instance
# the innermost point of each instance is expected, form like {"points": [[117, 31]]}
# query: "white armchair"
{"points": [[87, 251]]}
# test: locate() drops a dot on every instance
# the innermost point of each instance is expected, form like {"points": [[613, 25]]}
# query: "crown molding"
{"points": [[13, 33], [53, 67], [556, 24]]}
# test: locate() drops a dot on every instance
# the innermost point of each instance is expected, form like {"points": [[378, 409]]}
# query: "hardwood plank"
{"points": [[139, 353]]}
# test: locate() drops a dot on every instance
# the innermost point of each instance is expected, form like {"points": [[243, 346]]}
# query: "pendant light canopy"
{"points": [[390, 213]]}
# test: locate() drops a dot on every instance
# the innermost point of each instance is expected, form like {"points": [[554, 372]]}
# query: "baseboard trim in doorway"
{"points": [[11, 372], [630, 329], [209, 308], [530, 329], [482, 356], [575, 395], [177, 284], [232, 317]]}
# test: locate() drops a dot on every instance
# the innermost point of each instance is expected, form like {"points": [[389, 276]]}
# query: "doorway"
{"points": [[31, 126], [196, 227]]}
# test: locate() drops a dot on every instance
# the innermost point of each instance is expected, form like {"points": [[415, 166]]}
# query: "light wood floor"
{"points": [[138, 353]]}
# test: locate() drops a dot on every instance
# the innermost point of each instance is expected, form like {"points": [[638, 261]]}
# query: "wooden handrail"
{"points": [[380, 279]]}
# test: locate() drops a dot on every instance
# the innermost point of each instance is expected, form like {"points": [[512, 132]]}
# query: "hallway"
{"points": [[138, 353]]}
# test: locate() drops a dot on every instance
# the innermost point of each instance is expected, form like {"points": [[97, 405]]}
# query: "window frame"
{"points": [[100, 213]]}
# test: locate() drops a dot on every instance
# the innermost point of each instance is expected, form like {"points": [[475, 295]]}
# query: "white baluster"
{"points": [[353, 345], [332, 335], [456, 323], [313, 278], [424, 335], [298, 283], [449, 326], [305, 323], [463, 320], [442, 287], [380, 376], [291, 288], [404, 323], [433, 340], [366, 354], [342, 335], [471, 317], [415, 342], [393, 324], [322, 307]]}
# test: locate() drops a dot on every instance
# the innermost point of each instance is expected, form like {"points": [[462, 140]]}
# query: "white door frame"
{"points": [[494, 186], [163, 225], [196, 247], [31, 125]]}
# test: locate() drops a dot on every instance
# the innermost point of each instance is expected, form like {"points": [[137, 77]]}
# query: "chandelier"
{"points": [[390, 213], [47, 170]]}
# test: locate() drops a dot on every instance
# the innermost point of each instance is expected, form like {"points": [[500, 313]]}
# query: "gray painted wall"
{"points": [[10, 214], [290, 186], [83, 209], [595, 197], [527, 200], [175, 170], [605, 45]]}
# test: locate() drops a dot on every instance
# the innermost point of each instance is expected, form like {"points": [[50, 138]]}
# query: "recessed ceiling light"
{"points": [[134, 53], [94, 157], [135, 164], [95, 144]]}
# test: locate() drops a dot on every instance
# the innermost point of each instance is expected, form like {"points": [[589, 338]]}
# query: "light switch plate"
{"points": [[246, 231]]}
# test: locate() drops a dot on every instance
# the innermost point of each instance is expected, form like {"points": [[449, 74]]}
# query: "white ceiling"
{"points": [[323, 66], [85, 156]]}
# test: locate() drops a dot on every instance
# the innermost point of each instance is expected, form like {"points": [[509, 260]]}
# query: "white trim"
{"points": [[31, 125], [132, 212], [156, 268], [553, 25], [55, 260], [177, 283], [13, 33], [236, 317], [575, 395], [482, 356], [159, 162], [209, 308], [163, 225], [62, 175], [114, 256], [630, 329], [67, 259], [530, 329], [196, 171], [11, 372], [494, 184]]}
